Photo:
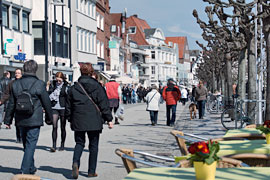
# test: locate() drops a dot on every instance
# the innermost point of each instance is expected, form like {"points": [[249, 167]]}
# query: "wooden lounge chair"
{"points": [[181, 139], [251, 126], [223, 163], [254, 160], [129, 160], [28, 177]]}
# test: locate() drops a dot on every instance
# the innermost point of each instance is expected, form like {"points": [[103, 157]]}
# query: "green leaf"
{"points": [[209, 161]]}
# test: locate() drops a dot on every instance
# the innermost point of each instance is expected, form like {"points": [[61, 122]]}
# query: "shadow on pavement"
{"points": [[65, 172], [9, 170]]}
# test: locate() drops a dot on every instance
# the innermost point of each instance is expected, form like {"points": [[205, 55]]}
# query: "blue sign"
{"points": [[20, 56]]}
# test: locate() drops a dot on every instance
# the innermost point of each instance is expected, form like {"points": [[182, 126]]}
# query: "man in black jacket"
{"points": [[29, 124]]}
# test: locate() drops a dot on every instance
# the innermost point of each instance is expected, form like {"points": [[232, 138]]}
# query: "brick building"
{"points": [[103, 34]]}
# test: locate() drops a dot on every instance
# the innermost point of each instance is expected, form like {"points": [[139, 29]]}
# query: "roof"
{"points": [[149, 32], [141, 25], [115, 18], [181, 41]]}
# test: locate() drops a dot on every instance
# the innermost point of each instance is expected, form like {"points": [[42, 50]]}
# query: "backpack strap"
{"points": [[23, 87]]}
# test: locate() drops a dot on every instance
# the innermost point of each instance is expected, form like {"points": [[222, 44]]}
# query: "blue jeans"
{"points": [[170, 121], [29, 137], [153, 116], [93, 137], [201, 105]]}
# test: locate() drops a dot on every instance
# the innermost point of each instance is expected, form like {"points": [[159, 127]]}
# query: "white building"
{"points": [[161, 60], [16, 36], [195, 59], [83, 32], [52, 37]]}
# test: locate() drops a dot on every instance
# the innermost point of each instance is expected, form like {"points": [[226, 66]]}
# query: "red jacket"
{"points": [[171, 94], [112, 90]]}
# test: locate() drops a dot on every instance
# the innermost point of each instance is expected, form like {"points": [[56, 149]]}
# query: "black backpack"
{"points": [[24, 102]]}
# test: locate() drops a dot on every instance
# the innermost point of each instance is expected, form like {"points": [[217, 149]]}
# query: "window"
{"points": [[93, 43], [85, 40], [89, 42], [132, 30], [25, 19], [15, 19], [153, 54], [77, 4], [153, 69], [102, 23], [90, 9], [5, 16], [78, 38], [38, 34], [98, 48], [65, 39], [98, 20], [57, 41], [102, 50], [113, 28], [94, 11]]}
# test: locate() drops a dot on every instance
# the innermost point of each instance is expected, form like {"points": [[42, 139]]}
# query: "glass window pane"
{"points": [[5, 15], [78, 38], [25, 21], [15, 19]]}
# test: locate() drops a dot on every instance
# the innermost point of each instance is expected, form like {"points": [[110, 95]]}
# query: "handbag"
{"points": [[89, 97], [150, 101]]}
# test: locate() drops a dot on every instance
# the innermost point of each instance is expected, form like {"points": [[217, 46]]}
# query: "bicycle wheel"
{"points": [[228, 118]]}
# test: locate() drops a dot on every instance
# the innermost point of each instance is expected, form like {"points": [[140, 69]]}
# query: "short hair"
{"points": [[86, 69], [6, 73], [30, 66], [18, 69], [60, 75], [154, 86]]}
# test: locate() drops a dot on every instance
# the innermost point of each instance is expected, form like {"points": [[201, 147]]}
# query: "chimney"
{"points": [[135, 15]]}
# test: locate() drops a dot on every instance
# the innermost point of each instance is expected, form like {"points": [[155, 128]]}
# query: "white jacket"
{"points": [[184, 93], [153, 105]]}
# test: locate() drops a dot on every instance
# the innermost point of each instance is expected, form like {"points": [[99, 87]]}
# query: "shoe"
{"points": [[152, 124], [62, 148], [92, 175], [75, 171], [33, 171], [116, 122], [52, 149]]}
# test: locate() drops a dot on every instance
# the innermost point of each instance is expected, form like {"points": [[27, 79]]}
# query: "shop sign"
{"points": [[11, 47], [112, 44], [20, 56]]}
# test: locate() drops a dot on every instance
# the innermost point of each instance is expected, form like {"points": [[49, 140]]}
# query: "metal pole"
{"points": [[46, 41]]}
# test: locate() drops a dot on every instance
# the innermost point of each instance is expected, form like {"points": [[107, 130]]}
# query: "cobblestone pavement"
{"points": [[135, 132]]}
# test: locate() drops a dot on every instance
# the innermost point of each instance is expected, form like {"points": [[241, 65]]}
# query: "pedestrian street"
{"points": [[135, 132]]}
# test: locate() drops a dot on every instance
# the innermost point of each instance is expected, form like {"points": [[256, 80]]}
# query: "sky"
{"points": [[174, 17]]}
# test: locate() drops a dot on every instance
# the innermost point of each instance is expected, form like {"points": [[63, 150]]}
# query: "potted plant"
{"points": [[204, 158], [265, 128]]}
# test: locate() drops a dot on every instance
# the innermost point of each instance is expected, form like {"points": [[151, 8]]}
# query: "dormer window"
{"points": [[132, 30], [113, 28]]}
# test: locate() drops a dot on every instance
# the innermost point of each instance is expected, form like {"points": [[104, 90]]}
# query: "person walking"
{"points": [[153, 100], [201, 95], [184, 96], [4, 81], [171, 94], [113, 90], [58, 90], [86, 107], [28, 116], [193, 93], [5, 98]]}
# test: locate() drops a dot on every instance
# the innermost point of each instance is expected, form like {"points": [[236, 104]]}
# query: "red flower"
{"points": [[192, 148], [267, 123]]}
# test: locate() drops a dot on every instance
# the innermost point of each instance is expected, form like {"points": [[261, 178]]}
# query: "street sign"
{"points": [[20, 56]]}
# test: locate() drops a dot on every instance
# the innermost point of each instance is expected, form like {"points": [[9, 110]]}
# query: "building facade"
{"points": [[183, 64], [52, 41], [83, 32], [103, 34], [16, 34]]}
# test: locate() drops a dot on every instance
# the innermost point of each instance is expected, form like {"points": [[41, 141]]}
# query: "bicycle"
{"points": [[215, 105], [234, 117]]}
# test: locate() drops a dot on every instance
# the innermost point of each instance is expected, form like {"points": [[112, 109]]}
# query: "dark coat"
{"points": [[63, 93], [40, 99], [81, 112]]}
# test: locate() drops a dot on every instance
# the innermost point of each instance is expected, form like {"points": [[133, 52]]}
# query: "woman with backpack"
{"points": [[58, 91], [153, 100]]}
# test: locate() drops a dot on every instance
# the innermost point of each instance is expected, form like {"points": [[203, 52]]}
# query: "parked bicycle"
{"points": [[234, 117], [215, 104]]}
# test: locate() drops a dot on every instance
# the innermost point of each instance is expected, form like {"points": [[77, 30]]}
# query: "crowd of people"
{"points": [[87, 105]]}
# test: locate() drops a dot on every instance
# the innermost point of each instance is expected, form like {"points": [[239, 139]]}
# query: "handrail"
{"points": [[154, 156]]}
